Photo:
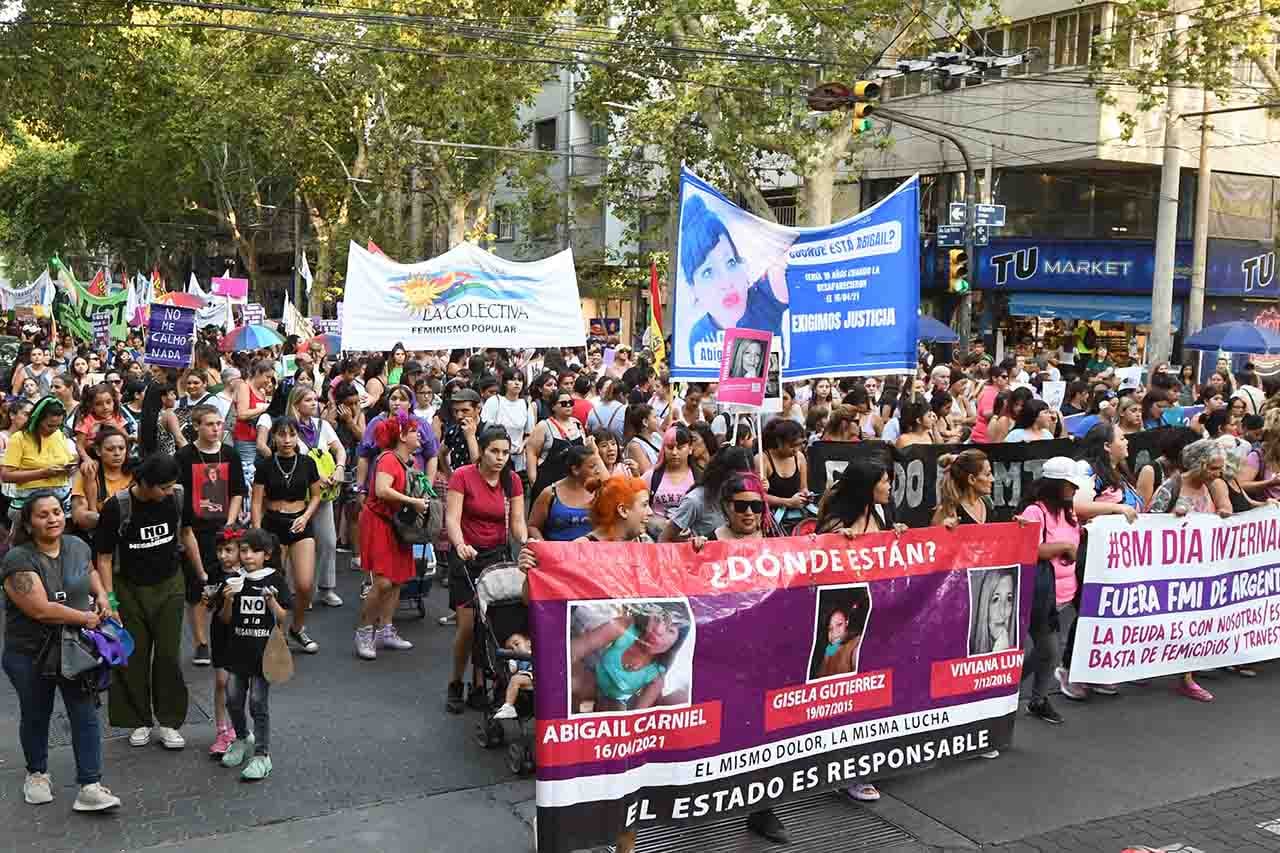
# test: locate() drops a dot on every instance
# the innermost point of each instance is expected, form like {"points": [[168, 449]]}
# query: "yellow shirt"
{"points": [[22, 454], [114, 484]]}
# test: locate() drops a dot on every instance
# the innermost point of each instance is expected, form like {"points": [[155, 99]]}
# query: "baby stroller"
{"points": [[413, 592], [501, 612]]}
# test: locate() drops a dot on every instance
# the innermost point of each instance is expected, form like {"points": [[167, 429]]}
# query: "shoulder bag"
{"points": [[411, 526]]}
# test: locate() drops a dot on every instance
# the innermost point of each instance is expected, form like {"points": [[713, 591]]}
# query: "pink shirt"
{"points": [[986, 405], [1056, 531]]}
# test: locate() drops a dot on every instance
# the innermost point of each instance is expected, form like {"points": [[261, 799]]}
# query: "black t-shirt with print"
{"points": [[285, 479], [148, 550], [210, 480], [251, 621]]}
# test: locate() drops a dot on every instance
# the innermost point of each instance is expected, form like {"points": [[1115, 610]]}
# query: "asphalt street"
{"points": [[366, 760]]}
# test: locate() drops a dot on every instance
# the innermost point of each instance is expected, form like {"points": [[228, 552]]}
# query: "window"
{"points": [[1240, 206], [1017, 44], [545, 137], [1041, 32], [1071, 39], [1064, 40], [995, 47], [504, 223], [599, 133]]}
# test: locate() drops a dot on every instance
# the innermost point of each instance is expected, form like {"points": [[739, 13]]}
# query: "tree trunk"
{"points": [[457, 224], [415, 216]]}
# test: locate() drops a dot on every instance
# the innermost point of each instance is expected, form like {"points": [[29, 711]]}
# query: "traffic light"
{"points": [[862, 124], [827, 97], [958, 271]]}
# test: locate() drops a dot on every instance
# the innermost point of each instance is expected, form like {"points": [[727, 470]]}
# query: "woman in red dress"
{"points": [[389, 560]]}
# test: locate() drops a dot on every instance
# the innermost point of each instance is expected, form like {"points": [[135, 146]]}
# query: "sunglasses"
{"points": [[564, 402], [754, 507]]}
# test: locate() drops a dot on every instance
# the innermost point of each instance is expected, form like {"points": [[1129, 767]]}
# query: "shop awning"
{"points": [[1081, 306]]}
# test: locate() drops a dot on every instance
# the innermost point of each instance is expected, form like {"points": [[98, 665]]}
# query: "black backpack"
{"points": [[1090, 337], [183, 414]]}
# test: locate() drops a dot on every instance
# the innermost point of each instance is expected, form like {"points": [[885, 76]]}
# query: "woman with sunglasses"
{"points": [[742, 500], [550, 440]]}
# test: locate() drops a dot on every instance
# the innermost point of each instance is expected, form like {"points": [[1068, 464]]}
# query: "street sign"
{"points": [[983, 214], [950, 236], [982, 235], [988, 214]]}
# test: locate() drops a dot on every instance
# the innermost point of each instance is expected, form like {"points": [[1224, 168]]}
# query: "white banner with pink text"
{"points": [[1168, 595]]}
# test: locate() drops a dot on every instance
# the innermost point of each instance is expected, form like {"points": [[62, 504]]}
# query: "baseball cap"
{"points": [[464, 395], [1066, 469]]}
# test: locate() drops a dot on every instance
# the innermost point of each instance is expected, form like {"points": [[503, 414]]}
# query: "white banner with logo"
{"points": [[463, 298]]}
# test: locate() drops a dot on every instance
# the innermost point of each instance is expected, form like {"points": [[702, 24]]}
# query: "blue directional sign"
{"points": [[983, 214], [950, 236]]}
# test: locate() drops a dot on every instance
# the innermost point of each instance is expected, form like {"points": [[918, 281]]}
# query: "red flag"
{"points": [[655, 298], [98, 287], [373, 247]]}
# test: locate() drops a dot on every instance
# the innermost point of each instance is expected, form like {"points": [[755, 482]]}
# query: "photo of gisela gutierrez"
{"points": [[840, 625]]}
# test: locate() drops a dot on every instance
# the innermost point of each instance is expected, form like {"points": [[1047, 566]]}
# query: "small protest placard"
{"points": [[102, 328], [1053, 394], [254, 314], [235, 289], [170, 335], [744, 360]]}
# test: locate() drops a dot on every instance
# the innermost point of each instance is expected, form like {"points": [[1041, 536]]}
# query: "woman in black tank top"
{"points": [[964, 495]]}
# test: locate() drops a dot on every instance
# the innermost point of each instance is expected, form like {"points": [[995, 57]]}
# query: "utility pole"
{"points": [[1160, 347], [964, 321], [297, 255], [1200, 258]]}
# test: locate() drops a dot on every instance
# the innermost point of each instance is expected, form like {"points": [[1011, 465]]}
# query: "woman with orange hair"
{"points": [[382, 554], [619, 510]]}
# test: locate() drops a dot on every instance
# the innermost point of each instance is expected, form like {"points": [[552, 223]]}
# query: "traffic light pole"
{"points": [[964, 321]]}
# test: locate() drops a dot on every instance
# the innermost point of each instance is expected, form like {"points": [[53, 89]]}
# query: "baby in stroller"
{"points": [[521, 675], [501, 640]]}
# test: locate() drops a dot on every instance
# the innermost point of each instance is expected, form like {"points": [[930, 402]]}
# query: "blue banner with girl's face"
{"points": [[843, 299]]}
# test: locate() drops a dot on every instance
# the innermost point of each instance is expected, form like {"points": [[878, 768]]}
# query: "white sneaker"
{"points": [[863, 793], [38, 789], [171, 738], [389, 638], [365, 649], [506, 712], [140, 736], [445, 621], [329, 598], [1069, 688], [95, 798]]}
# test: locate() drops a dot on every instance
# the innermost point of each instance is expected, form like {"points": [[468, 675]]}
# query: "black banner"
{"points": [[1144, 446], [916, 471]]}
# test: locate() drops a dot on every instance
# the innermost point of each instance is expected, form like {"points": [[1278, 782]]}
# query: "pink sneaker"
{"points": [[1192, 690], [225, 738]]}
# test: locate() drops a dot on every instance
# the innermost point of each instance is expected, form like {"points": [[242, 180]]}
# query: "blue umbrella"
{"points": [[936, 330], [1236, 336]]}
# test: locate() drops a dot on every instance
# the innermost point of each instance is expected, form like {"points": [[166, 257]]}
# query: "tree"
{"points": [[722, 88], [1155, 43], [212, 121]]}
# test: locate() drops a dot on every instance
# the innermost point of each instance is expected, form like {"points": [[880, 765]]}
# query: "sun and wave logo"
{"points": [[423, 291]]}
